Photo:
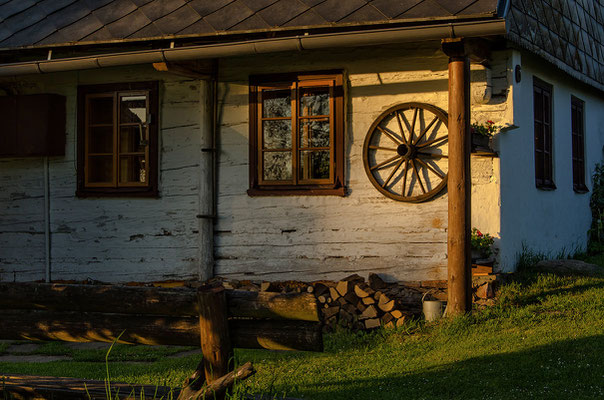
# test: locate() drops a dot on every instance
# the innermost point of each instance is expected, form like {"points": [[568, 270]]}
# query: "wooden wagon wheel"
{"points": [[405, 152]]}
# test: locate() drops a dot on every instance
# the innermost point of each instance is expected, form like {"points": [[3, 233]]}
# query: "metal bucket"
{"points": [[432, 309]]}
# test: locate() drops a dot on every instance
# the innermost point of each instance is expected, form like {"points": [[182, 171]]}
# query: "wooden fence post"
{"points": [[214, 332]]}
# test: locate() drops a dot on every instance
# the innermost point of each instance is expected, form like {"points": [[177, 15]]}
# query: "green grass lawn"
{"points": [[544, 339]]}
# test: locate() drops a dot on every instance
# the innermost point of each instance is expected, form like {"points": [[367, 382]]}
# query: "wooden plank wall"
{"points": [[107, 239]]}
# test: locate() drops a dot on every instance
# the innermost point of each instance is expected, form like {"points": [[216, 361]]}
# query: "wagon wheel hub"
{"points": [[405, 152]]}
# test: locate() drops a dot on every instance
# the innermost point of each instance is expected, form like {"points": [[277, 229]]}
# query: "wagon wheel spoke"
{"points": [[433, 142], [398, 165], [383, 163], [390, 135], [400, 126], [381, 148], [431, 168], [413, 125], [405, 176], [406, 143], [426, 129]]}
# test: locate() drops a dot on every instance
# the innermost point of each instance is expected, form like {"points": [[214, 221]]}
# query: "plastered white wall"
{"points": [[556, 221], [108, 239]]}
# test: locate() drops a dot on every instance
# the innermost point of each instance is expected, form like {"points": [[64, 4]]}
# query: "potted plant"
{"points": [[481, 135], [481, 244]]}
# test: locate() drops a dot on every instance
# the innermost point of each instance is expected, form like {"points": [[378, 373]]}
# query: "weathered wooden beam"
{"points": [[76, 326], [153, 301], [218, 356], [187, 69], [459, 179], [28, 387], [218, 387]]}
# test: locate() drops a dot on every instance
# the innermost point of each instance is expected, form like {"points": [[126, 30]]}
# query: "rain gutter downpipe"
{"points": [[491, 27]]}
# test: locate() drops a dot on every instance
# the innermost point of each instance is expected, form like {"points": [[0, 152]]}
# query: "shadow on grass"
{"points": [[566, 369]]}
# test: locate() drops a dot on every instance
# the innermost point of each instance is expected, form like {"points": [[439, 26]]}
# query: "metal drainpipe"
{"points": [[47, 217]]}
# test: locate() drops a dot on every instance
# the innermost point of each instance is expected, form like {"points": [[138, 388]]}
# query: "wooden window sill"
{"points": [[122, 192], [580, 189], [547, 186], [258, 192]]}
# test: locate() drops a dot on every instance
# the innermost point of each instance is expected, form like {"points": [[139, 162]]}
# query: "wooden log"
{"points": [[368, 301], [28, 387], [363, 290], [372, 323], [370, 312], [343, 287], [386, 307], [376, 282], [459, 268], [276, 335], [215, 337], [217, 389], [152, 300], [152, 330], [333, 293]]}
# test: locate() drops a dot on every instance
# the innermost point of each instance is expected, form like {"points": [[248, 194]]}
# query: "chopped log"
{"points": [[389, 325], [333, 293], [215, 341], [361, 307], [343, 287], [310, 289], [217, 389], [151, 300], [396, 313], [363, 290], [345, 316], [400, 321], [342, 301], [368, 300], [387, 317], [370, 312], [355, 278], [350, 308], [377, 295], [266, 286], [376, 282], [322, 299], [386, 307], [321, 289], [330, 312], [485, 291], [351, 298], [372, 323]]}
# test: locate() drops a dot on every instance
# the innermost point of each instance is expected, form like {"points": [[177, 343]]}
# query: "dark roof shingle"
{"points": [[26, 23]]}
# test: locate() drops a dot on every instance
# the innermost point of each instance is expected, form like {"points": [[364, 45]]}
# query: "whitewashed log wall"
{"points": [[108, 239], [307, 237], [294, 237]]}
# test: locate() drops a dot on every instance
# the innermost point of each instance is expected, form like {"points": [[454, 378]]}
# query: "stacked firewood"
{"points": [[355, 303]]}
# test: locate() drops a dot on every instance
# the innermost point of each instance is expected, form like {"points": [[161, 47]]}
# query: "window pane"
{"points": [[277, 166], [277, 134], [314, 133], [132, 139], [101, 110], [100, 139], [276, 103], [133, 109], [314, 101], [132, 169], [100, 169], [314, 165]]}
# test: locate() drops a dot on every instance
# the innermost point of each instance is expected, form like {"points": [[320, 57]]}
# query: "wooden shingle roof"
{"points": [[35, 23]]}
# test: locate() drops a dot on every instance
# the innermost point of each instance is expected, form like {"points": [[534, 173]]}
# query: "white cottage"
{"points": [[153, 140]]}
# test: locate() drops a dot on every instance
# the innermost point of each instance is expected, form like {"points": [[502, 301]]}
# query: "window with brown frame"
{"points": [[578, 144], [297, 134], [117, 139], [542, 98]]}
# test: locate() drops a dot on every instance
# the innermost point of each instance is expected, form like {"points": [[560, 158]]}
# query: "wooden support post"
{"points": [[214, 332], [459, 180]]}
